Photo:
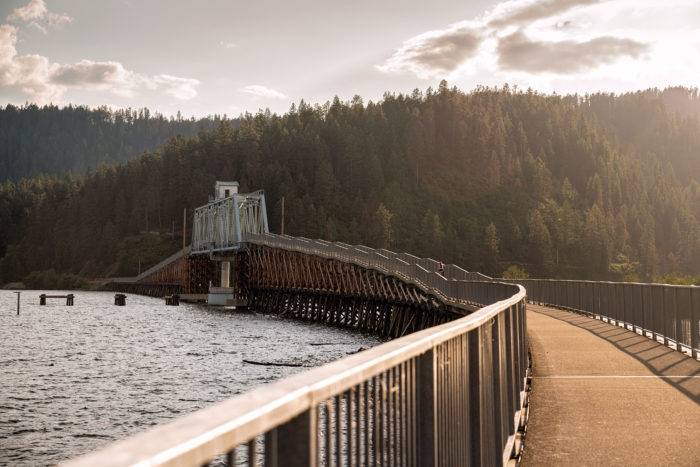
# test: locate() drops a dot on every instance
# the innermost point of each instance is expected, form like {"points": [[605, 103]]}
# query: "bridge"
{"points": [[477, 371]]}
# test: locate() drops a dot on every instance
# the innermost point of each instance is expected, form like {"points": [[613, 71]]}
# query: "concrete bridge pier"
{"points": [[225, 293], [232, 287], [225, 274]]}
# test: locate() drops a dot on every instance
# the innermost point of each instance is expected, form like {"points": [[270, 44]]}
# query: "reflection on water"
{"points": [[75, 378]]}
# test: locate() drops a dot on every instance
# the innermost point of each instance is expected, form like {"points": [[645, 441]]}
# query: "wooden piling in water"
{"points": [[120, 299], [69, 298], [172, 300]]}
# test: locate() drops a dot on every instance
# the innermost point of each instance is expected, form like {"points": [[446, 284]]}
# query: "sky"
{"points": [[228, 56]]}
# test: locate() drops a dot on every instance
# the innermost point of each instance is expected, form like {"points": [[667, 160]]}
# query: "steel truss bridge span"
{"points": [[450, 388], [222, 223]]}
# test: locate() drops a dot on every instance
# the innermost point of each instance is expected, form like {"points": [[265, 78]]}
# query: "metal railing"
{"points": [[452, 394], [669, 314]]}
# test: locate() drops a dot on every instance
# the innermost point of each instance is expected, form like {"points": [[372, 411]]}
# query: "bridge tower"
{"points": [[220, 228], [223, 190]]}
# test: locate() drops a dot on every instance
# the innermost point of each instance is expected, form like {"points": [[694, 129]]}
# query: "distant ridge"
{"points": [[599, 186], [51, 140]]}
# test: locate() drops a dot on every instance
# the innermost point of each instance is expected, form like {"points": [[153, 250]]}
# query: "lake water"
{"points": [[72, 379]]}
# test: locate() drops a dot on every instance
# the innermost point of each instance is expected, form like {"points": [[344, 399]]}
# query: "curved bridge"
{"points": [[452, 387]]}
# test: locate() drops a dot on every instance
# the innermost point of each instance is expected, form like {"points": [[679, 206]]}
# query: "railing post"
{"points": [[684, 316], [427, 410], [483, 442], [678, 330], [669, 306], [294, 442], [657, 309], [503, 416], [695, 322]]}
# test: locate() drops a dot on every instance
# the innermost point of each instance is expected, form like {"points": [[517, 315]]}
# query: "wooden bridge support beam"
{"points": [[312, 288], [306, 287]]}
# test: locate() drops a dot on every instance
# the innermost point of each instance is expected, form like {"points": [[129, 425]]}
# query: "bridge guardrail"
{"points": [[450, 394], [669, 314]]}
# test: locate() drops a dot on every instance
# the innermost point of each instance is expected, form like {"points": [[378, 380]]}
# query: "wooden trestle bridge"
{"points": [[281, 275], [450, 388]]}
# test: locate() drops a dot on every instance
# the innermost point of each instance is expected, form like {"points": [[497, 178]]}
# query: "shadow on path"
{"points": [[676, 369]]}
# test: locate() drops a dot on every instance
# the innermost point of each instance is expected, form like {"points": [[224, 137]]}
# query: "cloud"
{"points": [[47, 82], [228, 45], [36, 14], [35, 9], [523, 13], [28, 72], [498, 39], [262, 91], [518, 52], [436, 52], [180, 88], [90, 73]]}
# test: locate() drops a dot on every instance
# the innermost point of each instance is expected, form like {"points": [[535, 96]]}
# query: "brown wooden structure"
{"points": [[312, 288], [120, 299], [69, 298], [181, 273], [302, 285]]}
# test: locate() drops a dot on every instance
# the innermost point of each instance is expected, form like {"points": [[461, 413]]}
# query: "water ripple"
{"points": [[76, 378]]}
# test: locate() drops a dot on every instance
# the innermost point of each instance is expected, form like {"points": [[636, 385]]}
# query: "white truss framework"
{"points": [[223, 224]]}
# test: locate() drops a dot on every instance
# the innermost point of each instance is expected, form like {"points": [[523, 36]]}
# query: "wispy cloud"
{"points": [[180, 88], [507, 30], [524, 13], [228, 45], [518, 52], [436, 52], [37, 14], [262, 91]]}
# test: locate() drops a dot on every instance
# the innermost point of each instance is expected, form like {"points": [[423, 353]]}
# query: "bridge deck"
{"points": [[602, 395]]}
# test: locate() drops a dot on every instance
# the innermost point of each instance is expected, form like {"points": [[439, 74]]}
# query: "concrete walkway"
{"points": [[602, 395]]}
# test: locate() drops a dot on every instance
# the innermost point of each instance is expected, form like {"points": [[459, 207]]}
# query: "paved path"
{"points": [[602, 395]]}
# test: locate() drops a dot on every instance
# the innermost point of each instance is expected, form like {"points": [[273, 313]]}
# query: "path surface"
{"points": [[602, 395]]}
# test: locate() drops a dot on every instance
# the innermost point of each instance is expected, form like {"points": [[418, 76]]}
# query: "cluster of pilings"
{"points": [[366, 315]]}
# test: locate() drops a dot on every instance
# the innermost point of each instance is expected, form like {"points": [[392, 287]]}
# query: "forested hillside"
{"points": [[52, 140], [600, 186]]}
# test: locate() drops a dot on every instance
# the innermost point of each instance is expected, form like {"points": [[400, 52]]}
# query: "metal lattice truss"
{"points": [[223, 224]]}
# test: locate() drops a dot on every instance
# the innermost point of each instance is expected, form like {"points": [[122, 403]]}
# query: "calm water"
{"points": [[73, 379]]}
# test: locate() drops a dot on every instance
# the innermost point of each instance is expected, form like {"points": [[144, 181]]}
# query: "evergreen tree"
{"points": [[490, 249], [600, 187]]}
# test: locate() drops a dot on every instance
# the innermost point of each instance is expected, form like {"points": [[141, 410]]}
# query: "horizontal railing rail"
{"points": [[174, 257], [669, 314], [451, 394]]}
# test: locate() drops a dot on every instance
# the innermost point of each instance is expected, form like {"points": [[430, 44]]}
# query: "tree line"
{"points": [[51, 140], [600, 186]]}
